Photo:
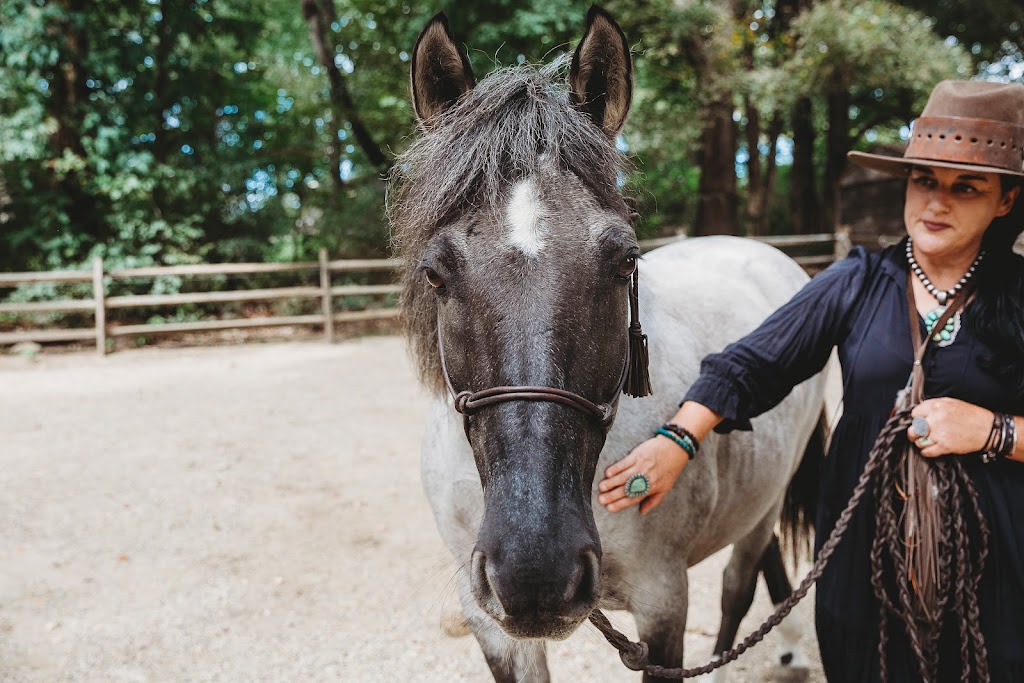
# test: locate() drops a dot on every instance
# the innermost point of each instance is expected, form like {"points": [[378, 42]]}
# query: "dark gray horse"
{"points": [[519, 252]]}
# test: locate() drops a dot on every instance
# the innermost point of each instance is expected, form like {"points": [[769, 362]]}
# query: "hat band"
{"points": [[978, 142]]}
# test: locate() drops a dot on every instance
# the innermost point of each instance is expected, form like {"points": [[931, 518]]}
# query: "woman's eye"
{"points": [[626, 268], [433, 279]]}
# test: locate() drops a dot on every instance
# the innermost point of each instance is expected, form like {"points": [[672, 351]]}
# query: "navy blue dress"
{"points": [[859, 305]]}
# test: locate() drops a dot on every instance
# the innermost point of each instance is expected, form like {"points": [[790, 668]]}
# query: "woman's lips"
{"points": [[932, 225]]}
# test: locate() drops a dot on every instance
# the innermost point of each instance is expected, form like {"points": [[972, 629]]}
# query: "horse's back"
{"points": [[697, 296], [724, 269]]}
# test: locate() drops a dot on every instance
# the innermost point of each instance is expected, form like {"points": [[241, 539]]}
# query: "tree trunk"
{"points": [[717, 196], [67, 106], [837, 145], [69, 89], [752, 135], [753, 139], [344, 107], [163, 206], [803, 197], [717, 207], [803, 191], [161, 81], [759, 199]]}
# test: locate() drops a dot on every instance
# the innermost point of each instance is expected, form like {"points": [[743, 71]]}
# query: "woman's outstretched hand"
{"points": [[660, 459]]}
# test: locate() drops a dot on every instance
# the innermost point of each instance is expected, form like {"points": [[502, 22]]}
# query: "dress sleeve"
{"points": [[755, 373]]}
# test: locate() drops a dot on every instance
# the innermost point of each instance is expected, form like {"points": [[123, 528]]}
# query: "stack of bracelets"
{"points": [[683, 437], [1002, 440]]}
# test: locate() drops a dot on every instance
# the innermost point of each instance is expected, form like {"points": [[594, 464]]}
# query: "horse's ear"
{"points": [[440, 71], [601, 76]]}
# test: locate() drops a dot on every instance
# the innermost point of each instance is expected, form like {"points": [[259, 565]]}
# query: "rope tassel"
{"points": [[638, 377]]}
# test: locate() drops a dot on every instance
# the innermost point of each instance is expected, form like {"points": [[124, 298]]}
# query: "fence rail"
{"points": [[100, 303]]}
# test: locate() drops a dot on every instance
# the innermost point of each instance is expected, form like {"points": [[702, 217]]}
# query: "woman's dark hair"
{"points": [[999, 318]]}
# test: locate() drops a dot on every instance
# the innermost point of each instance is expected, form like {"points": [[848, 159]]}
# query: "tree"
{"points": [[149, 131], [138, 152], [872, 64]]}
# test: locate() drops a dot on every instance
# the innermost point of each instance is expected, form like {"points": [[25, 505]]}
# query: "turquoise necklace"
{"points": [[947, 334]]}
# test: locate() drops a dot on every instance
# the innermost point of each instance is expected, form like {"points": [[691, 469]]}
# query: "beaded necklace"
{"points": [[947, 334]]}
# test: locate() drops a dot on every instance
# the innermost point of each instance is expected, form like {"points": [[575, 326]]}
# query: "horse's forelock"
{"points": [[468, 158]]}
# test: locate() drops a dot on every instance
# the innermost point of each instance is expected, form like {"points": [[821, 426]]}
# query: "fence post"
{"points": [[99, 298], [843, 243], [325, 285]]}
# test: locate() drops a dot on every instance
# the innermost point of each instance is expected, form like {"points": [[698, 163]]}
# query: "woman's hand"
{"points": [[659, 458], [954, 427]]}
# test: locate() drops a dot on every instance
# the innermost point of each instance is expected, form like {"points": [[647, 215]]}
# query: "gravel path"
{"points": [[247, 513]]}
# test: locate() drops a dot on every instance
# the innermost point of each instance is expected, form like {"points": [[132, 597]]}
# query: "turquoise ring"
{"points": [[637, 486]]}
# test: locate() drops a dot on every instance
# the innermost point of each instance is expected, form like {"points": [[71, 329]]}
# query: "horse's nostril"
{"points": [[483, 586], [585, 585], [479, 569]]}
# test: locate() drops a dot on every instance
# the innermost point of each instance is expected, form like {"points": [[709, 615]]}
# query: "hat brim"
{"points": [[900, 166]]}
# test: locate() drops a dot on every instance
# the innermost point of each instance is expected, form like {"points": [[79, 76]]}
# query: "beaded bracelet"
{"points": [[1002, 439], [683, 433], [683, 443]]}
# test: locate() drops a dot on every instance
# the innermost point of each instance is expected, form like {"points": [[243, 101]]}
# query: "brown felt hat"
{"points": [[973, 125]]}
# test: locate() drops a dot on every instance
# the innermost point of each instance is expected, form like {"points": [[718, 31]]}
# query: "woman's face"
{"points": [[948, 210]]}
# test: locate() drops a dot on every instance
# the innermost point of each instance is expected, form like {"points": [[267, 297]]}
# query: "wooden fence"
{"points": [[100, 303]]}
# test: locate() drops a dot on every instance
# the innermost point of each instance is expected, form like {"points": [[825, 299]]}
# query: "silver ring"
{"points": [[920, 426], [924, 442]]}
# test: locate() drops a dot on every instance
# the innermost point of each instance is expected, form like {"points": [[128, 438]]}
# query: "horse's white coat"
{"points": [[525, 214]]}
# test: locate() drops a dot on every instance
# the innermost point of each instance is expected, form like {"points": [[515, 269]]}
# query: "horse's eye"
{"points": [[626, 268], [434, 279]]}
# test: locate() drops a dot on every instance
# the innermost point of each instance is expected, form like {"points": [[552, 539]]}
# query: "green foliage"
{"points": [[136, 156], [991, 30], [159, 132], [851, 44]]}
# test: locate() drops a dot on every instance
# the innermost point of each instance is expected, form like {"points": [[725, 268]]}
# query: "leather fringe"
{"points": [[638, 378], [923, 517]]}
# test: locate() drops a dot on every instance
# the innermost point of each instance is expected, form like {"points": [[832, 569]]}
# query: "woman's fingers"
{"points": [[929, 448], [618, 481], [623, 503], [620, 467], [612, 496]]}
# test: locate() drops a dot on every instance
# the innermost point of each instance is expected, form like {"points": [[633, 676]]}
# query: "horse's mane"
{"points": [[468, 158]]}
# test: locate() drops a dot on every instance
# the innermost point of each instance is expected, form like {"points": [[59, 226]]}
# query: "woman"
{"points": [[963, 177]]}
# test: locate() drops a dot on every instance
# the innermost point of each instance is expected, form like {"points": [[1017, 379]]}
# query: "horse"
{"points": [[519, 254]]}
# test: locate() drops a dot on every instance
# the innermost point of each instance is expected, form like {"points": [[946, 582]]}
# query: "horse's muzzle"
{"points": [[531, 599]]}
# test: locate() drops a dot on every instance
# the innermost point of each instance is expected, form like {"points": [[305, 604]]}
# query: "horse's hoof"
{"points": [[790, 674], [454, 624]]}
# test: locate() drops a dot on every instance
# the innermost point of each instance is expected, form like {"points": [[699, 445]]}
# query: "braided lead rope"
{"points": [[636, 655]]}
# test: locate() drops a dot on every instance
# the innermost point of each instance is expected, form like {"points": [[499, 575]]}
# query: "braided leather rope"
{"points": [[636, 655]]}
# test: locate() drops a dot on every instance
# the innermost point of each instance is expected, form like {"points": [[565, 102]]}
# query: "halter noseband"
{"points": [[470, 402]]}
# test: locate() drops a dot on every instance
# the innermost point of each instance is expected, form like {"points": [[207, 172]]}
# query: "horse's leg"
{"points": [[759, 552], [510, 661], [739, 580], [660, 613], [793, 664]]}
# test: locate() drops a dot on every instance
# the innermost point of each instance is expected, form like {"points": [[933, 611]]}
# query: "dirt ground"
{"points": [[245, 513]]}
